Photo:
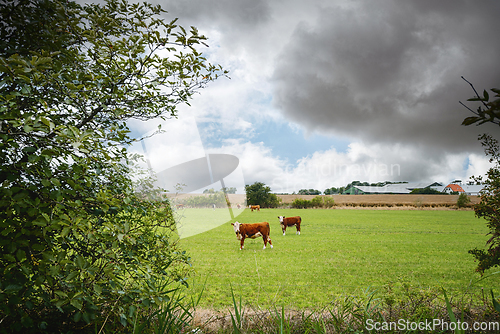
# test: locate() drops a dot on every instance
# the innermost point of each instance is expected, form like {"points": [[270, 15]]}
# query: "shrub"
{"points": [[78, 245], [463, 200], [299, 203], [316, 202]]}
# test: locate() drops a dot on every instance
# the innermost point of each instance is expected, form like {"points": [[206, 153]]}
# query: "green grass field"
{"points": [[339, 252]]}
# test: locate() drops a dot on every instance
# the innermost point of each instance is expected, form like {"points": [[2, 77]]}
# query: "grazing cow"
{"points": [[290, 221], [252, 231], [254, 207], [180, 206]]}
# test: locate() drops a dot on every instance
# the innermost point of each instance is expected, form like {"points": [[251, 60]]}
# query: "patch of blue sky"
{"points": [[294, 144], [285, 141], [466, 164]]}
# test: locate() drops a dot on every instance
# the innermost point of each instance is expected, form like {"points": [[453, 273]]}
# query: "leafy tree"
{"points": [[487, 208], [487, 112], [230, 190], [76, 239], [426, 191], [260, 194], [331, 191], [490, 194], [309, 192]]}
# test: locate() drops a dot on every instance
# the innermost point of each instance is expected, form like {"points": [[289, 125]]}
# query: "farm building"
{"points": [[469, 189], [400, 188]]}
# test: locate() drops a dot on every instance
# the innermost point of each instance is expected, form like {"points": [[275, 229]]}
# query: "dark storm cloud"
{"points": [[384, 75], [230, 15], [389, 71]]}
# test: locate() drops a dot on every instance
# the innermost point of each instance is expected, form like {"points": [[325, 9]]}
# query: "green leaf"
{"points": [[496, 304], [55, 181], [12, 288], [61, 294], [9, 257], [486, 95], [65, 231], [27, 128], [97, 289], [72, 275], [21, 255], [470, 120], [76, 303], [77, 316], [80, 262]]}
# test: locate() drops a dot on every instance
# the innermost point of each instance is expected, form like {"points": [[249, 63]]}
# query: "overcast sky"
{"points": [[326, 92]]}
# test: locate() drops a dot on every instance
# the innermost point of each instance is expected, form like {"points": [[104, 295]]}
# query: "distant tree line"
{"points": [[309, 192], [340, 190], [230, 190]]}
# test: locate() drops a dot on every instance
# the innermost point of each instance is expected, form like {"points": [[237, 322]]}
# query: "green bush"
{"points": [[78, 246], [301, 204], [316, 202], [463, 200]]}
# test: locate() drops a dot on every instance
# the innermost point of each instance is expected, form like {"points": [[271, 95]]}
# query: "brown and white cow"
{"points": [[252, 231], [290, 221], [254, 207]]}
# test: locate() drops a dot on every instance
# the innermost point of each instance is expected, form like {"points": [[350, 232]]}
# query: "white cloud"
{"points": [[363, 162], [386, 75]]}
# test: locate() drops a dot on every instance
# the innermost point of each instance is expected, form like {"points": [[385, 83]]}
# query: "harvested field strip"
{"points": [[387, 200], [350, 201]]}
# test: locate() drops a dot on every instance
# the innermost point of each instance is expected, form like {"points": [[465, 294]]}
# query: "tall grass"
{"points": [[359, 314]]}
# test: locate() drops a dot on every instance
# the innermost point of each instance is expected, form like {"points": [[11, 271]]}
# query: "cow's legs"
{"points": [[267, 239], [241, 243]]}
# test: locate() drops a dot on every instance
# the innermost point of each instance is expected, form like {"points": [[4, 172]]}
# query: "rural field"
{"points": [[339, 253]]}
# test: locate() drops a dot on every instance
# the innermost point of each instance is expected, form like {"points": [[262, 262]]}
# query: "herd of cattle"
{"points": [[263, 230]]}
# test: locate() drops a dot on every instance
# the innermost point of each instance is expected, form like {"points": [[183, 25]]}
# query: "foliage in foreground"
{"points": [[488, 208], [411, 310], [488, 112], [78, 245]]}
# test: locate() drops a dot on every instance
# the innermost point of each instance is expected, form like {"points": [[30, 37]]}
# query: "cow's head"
{"points": [[281, 219], [236, 227]]}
